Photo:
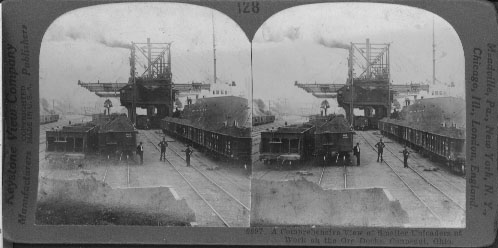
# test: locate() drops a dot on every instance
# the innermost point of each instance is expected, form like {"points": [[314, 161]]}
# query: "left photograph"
{"points": [[144, 118]]}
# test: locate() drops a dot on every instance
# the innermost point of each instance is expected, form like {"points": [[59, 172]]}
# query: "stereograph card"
{"points": [[317, 123]]}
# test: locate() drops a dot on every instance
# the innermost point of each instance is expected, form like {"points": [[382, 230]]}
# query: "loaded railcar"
{"points": [[365, 122], [44, 119], [262, 119], [105, 135], [333, 138], [287, 144], [117, 136], [324, 138], [434, 127], [230, 143], [217, 125], [77, 138]]}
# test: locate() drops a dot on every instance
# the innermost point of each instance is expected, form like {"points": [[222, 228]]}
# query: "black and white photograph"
{"points": [[144, 118], [358, 118]]}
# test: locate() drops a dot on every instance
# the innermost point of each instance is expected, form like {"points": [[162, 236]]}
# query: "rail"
{"points": [[425, 179], [344, 173], [404, 182], [194, 188]]}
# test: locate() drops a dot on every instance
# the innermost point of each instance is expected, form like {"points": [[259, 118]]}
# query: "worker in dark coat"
{"points": [[163, 144], [406, 153], [380, 150], [356, 152], [140, 152], [188, 152]]}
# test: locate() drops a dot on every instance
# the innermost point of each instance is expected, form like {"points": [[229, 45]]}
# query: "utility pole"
{"points": [[214, 48], [133, 86], [433, 55], [351, 108], [388, 85]]}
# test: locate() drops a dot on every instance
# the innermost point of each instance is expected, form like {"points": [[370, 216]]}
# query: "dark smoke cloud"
{"points": [[44, 105], [260, 105], [331, 43]]}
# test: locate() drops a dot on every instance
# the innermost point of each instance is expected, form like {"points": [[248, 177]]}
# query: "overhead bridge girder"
{"points": [[330, 90], [324, 95], [113, 89], [107, 94]]}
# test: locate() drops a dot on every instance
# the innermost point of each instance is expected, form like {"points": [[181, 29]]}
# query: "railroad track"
{"points": [[263, 175], [228, 209], [324, 173], [127, 174], [232, 179], [435, 173], [437, 202], [429, 181]]}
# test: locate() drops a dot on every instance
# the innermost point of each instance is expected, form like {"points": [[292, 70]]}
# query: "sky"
{"points": [[307, 44], [90, 44], [304, 44]]}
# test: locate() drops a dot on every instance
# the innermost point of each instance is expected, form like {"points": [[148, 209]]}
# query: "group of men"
{"points": [[163, 145], [356, 152], [380, 151]]}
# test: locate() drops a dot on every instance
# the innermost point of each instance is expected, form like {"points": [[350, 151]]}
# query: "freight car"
{"points": [[44, 119], [433, 127], [324, 138], [104, 135], [117, 136], [76, 138], [217, 125], [333, 138], [262, 119], [365, 122], [287, 144]]}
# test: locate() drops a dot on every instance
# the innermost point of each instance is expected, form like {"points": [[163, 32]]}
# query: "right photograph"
{"points": [[359, 118]]}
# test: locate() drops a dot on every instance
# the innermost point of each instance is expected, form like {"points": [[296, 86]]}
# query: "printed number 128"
{"points": [[248, 7]]}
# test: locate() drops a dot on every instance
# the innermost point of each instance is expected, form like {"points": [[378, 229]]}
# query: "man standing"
{"points": [[188, 151], [356, 152], [380, 149], [406, 153], [140, 152], [163, 144]]}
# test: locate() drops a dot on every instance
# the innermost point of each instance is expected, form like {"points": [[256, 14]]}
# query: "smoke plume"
{"points": [[99, 38], [269, 35], [331, 43], [259, 107], [443, 54], [44, 106], [114, 43]]}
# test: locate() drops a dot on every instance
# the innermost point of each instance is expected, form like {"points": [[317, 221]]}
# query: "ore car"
{"points": [[333, 139], [365, 122], [434, 127], [287, 144], [105, 135], [44, 119], [218, 125], [262, 119], [324, 139], [118, 136]]}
